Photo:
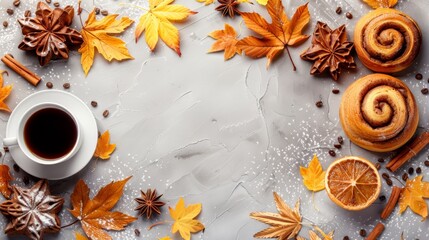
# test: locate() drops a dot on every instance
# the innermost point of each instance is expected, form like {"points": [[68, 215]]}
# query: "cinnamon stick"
{"points": [[378, 229], [21, 70], [391, 203], [408, 151]]}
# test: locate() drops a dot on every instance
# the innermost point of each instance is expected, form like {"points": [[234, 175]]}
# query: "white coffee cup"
{"points": [[19, 140]]}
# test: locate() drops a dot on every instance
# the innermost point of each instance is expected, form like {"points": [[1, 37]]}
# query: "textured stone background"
{"points": [[226, 134]]}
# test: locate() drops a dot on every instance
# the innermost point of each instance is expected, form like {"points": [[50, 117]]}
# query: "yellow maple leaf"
{"points": [[157, 23], [97, 35], [412, 196], [314, 176], [184, 221], [284, 225], [165, 238], [80, 236], [206, 2], [381, 3], [276, 36], [4, 93], [104, 148], [226, 41], [262, 2]]}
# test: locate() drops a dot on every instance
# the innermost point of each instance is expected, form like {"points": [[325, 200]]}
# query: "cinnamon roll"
{"points": [[387, 40], [378, 113]]}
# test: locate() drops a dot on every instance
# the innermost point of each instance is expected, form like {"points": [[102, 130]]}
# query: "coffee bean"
{"points": [[339, 10], [389, 182], [380, 160], [56, 4], [16, 167], [385, 176], [405, 176], [94, 103], [66, 85], [9, 11], [418, 170], [26, 180], [104, 12], [419, 76], [27, 13], [49, 85], [332, 153], [48, 1], [346, 238], [106, 113], [137, 232], [378, 166], [410, 171], [425, 91], [5, 24], [319, 104], [427, 163], [16, 3], [340, 140], [382, 198], [337, 146], [362, 232], [335, 91], [349, 15], [97, 11], [6, 149]]}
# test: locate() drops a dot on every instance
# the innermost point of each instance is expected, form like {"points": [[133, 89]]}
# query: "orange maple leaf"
{"points": [[276, 36], [413, 196], [94, 214], [4, 93], [5, 177], [104, 148], [226, 40]]}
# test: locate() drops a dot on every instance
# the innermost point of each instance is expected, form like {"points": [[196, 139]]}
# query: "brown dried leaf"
{"points": [[5, 177]]}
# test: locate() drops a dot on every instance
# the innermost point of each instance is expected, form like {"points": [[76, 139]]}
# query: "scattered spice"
{"points": [[9, 11], [16, 167], [425, 91], [335, 91], [410, 171], [419, 76], [337, 146], [427, 163], [94, 104], [106, 113], [389, 182], [56, 4], [137, 232], [66, 85], [332, 153], [385, 176], [104, 12], [319, 104], [20, 69], [382, 198], [378, 229], [405, 176], [349, 15], [391, 203], [27, 13], [409, 151], [149, 203], [97, 10], [16, 3], [339, 10], [362, 232], [228, 8], [5, 24], [378, 166], [380, 160], [49, 85], [418, 170], [340, 140]]}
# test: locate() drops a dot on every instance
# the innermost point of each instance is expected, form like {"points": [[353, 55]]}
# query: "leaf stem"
{"points": [[398, 180], [72, 223], [155, 224], [290, 57]]}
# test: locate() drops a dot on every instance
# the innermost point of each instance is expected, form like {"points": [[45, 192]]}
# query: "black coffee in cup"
{"points": [[50, 133]]}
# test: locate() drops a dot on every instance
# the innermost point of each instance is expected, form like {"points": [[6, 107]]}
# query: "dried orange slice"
{"points": [[353, 183]]}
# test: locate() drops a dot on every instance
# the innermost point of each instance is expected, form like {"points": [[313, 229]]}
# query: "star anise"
{"points": [[149, 203], [228, 8], [330, 51], [33, 211], [48, 33]]}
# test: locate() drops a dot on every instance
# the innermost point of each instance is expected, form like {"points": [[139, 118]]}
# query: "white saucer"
{"points": [[86, 121]]}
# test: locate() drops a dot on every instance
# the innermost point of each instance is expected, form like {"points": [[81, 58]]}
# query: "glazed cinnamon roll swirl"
{"points": [[378, 113], [387, 40]]}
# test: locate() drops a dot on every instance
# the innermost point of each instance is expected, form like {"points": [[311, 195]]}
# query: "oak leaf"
{"points": [[413, 196], [314, 176], [226, 40], [104, 148], [4, 93], [275, 36], [381, 3], [80, 237], [5, 177], [98, 35], [94, 214], [284, 225], [184, 221], [157, 23]]}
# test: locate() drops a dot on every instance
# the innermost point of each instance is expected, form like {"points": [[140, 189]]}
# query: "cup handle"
{"points": [[10, 141]]}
